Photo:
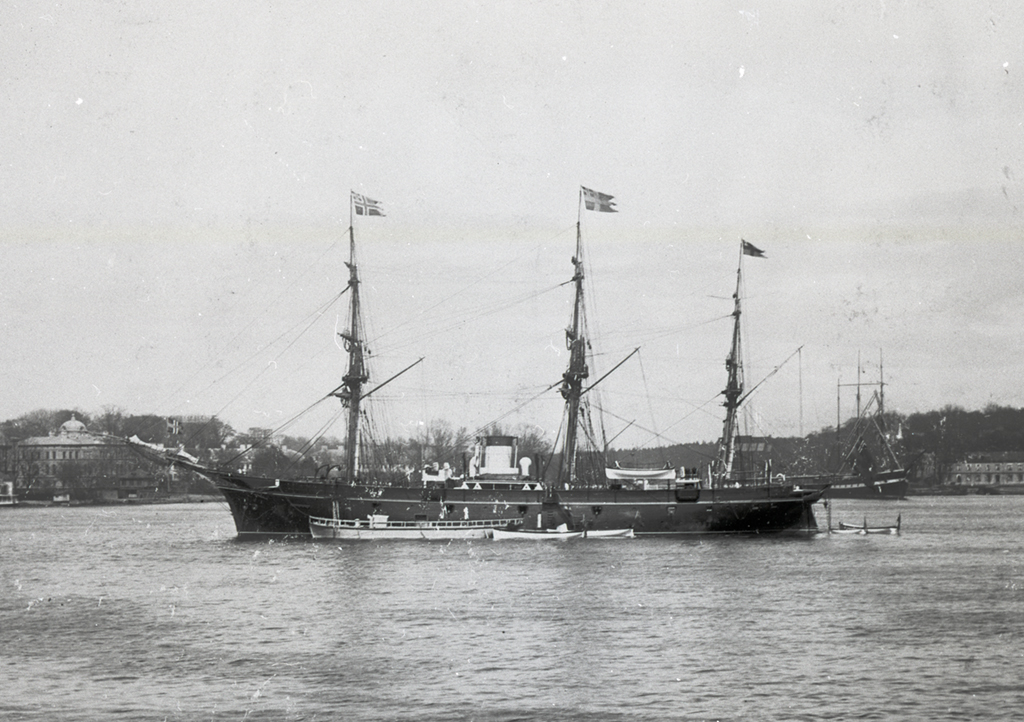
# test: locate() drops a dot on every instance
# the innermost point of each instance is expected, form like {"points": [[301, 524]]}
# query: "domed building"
{"points": [[73, 463], [72, 426]]}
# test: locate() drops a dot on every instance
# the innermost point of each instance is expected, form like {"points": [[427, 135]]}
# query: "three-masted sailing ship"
{"points": [[868, 467], [497, 488]]}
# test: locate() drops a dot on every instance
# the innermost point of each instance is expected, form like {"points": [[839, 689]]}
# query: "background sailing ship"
{"points": [[865, 462]]}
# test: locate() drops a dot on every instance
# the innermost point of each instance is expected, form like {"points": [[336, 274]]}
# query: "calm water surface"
{"points": [[158, 613]]}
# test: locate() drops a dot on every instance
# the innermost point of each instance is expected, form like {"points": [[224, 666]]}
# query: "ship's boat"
{"points": [[497, 487], [379, 526], [562, 533], [863, 529]]}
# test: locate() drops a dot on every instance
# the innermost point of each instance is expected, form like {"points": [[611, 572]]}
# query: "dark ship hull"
{"points": [[886, 489], [262, 508], [890, 485]]}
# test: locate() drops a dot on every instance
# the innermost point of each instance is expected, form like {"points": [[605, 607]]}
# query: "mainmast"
{"points": [[577, 372], [576, 341]]}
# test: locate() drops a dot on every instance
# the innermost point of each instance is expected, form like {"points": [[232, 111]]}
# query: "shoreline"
{"points": [[176, 499]]}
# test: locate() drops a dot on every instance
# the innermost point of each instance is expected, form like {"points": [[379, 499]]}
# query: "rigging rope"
{"points": [[481, 279], [253, 320], [308, 446], [313, 319], [464, 318], [279, 429], [513, 410]]}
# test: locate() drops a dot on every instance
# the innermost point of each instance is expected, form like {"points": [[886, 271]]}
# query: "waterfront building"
{"points": [[76, 463], [983, 469]]}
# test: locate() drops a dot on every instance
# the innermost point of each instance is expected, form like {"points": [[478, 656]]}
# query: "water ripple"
{"points": [[157, 613]]}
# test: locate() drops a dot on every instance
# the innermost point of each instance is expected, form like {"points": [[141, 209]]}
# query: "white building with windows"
{"points": [[988, 469]]}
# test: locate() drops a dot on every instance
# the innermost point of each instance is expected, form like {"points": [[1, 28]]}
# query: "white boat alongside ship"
{"points": [[562, 533], [378, 526]]}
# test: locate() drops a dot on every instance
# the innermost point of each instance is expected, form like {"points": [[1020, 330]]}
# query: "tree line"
{"points": [[928, 443], [214, 440]]}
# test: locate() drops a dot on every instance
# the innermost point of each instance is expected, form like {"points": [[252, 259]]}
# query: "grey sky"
{"points": [[166, 173]]}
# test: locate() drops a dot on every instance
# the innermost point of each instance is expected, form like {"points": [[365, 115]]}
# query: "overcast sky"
{"points": [[174, 186]]}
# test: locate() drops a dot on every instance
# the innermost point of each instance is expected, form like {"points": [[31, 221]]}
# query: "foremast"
{"points": [[351, 390]]}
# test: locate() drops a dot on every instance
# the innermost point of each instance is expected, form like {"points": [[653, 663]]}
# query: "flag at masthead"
{"points": [[595, 201]]}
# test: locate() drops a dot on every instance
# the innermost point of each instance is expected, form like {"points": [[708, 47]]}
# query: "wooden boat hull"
{"points": [[267, 508]]}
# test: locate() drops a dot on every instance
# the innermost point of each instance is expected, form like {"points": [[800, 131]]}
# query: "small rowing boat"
{"points": [[562, 532], [844, 528]]}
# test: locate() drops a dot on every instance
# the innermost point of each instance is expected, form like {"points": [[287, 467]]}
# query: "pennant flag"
{"points": [[749, 249], [367, 206], [595, 201]]}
